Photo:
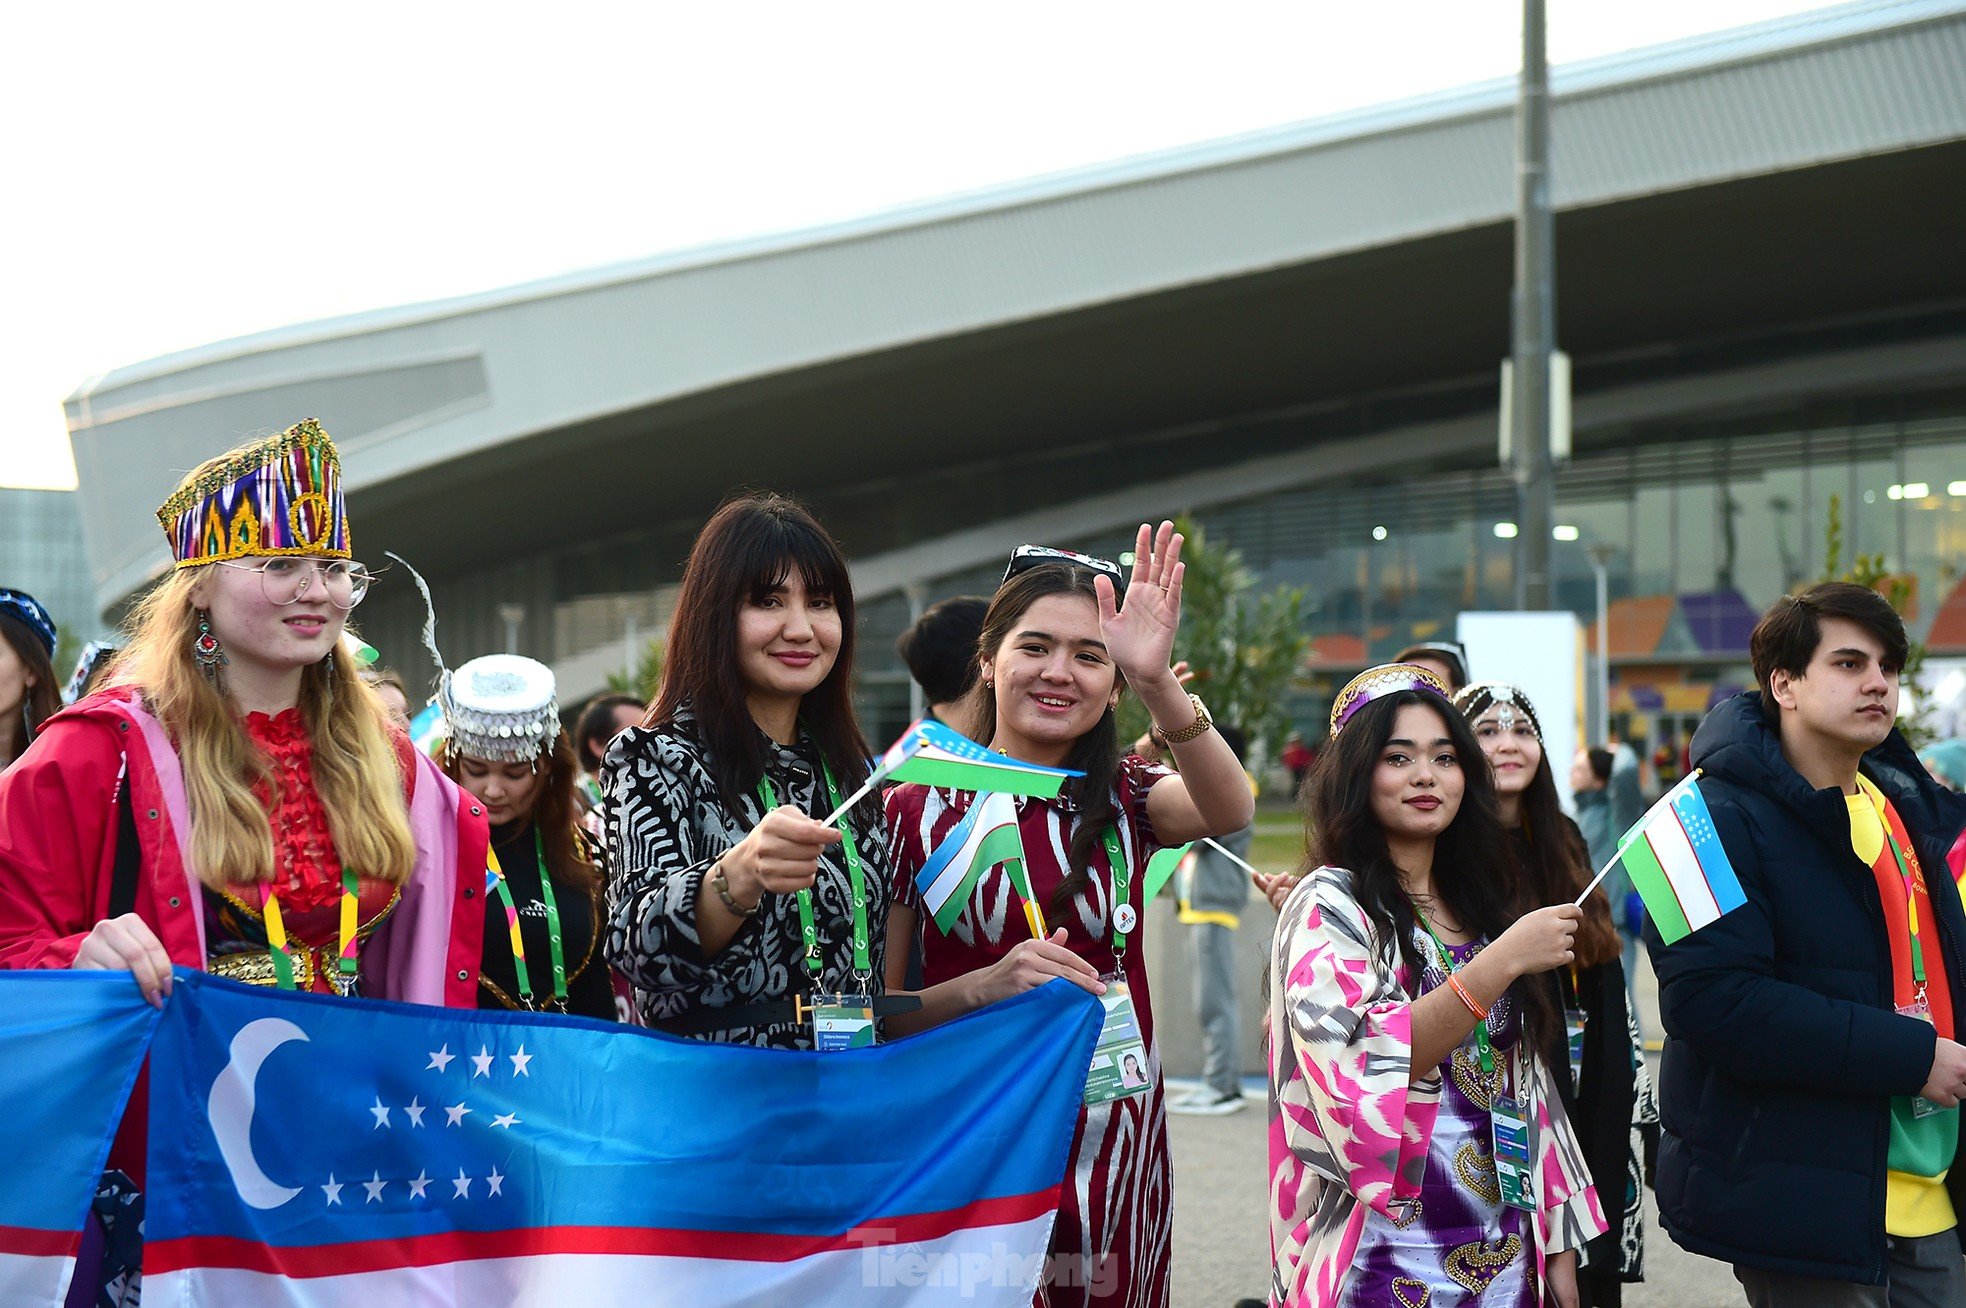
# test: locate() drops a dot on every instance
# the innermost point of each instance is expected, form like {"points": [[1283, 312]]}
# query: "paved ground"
{"points": [[1222, 1245], [1221, 1171]]}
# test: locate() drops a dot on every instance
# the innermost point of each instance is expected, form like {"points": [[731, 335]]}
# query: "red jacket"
{"points": [[58, 817]]}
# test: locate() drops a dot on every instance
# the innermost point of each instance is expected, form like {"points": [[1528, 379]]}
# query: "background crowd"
{"points": [[1460, 1104]]}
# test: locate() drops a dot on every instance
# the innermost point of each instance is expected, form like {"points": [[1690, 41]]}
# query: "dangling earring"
{"points": [[327, 684], [209, 654]]}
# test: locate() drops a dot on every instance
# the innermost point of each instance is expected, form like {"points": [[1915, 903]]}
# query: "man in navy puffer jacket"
{"points": [[1798, 1044]]}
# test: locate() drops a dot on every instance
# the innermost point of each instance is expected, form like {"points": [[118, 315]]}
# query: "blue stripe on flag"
{"points": [[589, 1124], [952, 844], [1697, 820], [951, 741], [70, 1046]]}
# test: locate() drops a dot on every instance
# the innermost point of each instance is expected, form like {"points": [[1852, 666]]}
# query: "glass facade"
{"points": [[1707, 523], [41, 553], [1701, 522]]}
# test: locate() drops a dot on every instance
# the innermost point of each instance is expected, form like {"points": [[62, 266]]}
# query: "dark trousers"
{"points": [[1925, 1271]]}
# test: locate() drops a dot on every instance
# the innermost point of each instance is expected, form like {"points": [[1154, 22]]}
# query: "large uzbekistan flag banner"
{"points": [[1678, 865], [325, 1153], [986, 836], [935, 755], [70, 1046]]}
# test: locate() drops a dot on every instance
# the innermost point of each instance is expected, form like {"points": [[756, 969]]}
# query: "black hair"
{"points": [[1450, 654], [1601, 762], [747, 549], [1786, 638], [40, 701], [596, 727], [1096, 753], [939, 647], [1475, 867]]}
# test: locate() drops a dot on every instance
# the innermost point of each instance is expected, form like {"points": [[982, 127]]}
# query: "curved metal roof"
{"points": [[654, 365]]}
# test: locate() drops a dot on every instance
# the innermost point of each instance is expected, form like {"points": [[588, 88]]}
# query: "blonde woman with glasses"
{"points": [[235, 786]]}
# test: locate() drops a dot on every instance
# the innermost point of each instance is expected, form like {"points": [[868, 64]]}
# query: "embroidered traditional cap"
{"points": [[501, 708], [1377, 683], [1475, 700], [94, 658], [281, 495], [31, 613]]}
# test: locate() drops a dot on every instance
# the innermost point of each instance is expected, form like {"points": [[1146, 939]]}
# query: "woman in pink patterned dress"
{"points": [[1404, 1020], [1057, 650]]}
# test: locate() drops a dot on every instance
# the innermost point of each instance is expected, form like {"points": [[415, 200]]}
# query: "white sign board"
{"points": [[1542, 655]]}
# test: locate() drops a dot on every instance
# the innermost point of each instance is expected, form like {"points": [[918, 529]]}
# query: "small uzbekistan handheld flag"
{"points": [[1162, 866], [935, 755], [986, 836], [1678, 865]]}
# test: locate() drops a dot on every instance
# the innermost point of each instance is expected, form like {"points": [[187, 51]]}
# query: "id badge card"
{"points": [[842, 1022], [1512, 1160], [1920, 1009], [1119, 1061], [1573, 1028]]}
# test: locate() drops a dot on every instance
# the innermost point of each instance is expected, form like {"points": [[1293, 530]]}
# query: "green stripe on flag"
{"points": [[1160, 868], [999, 845], [1650, 880], [955, 774]]}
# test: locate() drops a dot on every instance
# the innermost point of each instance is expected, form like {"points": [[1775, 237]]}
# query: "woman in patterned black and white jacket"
{"points": [[712, 806]]}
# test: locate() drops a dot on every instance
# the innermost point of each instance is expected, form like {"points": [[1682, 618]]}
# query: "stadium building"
{"points": [[1295, 335]]}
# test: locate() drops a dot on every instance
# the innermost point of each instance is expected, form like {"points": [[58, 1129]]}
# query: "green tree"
{"points": [[1870, 570], [1244, 648], [648, 675]]}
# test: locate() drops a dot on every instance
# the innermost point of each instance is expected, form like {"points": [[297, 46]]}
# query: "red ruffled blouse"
{"points": [[307, 871], [307, 874]]}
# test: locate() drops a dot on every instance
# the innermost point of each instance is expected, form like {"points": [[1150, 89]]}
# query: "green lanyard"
{"points": [[1122, 885], [552, 931], [346, 964], [1481, 1024], [863, 966]]}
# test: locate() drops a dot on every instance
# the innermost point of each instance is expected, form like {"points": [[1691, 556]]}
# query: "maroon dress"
{"points": [[1110, 1245]]}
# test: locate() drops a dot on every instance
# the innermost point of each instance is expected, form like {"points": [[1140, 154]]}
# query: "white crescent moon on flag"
{"points": [[230, 1108]]}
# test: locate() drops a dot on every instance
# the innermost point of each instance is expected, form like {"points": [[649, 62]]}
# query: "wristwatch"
{"points": [[1201, 724]]}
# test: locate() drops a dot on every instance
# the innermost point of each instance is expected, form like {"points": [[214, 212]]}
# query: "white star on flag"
{"points": [[462, 1185], [441, 1059], [374, 1186], [332, 1189], [481, 1062], [381, 1114], [519, 1061], [455, 1113], [495, 1181], [505, 1120], [418, 1184], [414, 1111]]}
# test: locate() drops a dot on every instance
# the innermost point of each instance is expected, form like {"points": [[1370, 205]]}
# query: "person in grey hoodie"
{"points": [[1211, 889]]}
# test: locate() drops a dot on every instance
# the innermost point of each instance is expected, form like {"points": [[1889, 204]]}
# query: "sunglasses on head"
{"points": [[1026, 557]]}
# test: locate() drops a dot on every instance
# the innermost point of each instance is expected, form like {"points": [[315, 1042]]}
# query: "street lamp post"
{"points": [[1532, 462], [1600, 556], [512, 615]]}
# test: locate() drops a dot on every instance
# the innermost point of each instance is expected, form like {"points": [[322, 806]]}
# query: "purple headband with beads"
{"points": [[1377, 683]]}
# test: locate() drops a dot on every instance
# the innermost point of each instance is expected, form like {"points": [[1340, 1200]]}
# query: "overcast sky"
{"points": [[180, 174]]}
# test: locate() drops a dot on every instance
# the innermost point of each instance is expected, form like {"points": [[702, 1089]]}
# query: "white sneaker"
{"points": [[1204, 1102]]}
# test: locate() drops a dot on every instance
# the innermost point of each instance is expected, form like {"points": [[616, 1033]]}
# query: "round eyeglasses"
{"points": [[287, 580]]}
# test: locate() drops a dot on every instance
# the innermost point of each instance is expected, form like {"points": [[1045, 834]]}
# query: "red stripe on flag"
{"points": [[36, 1243], [1667, 875], [193, 1251]]}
